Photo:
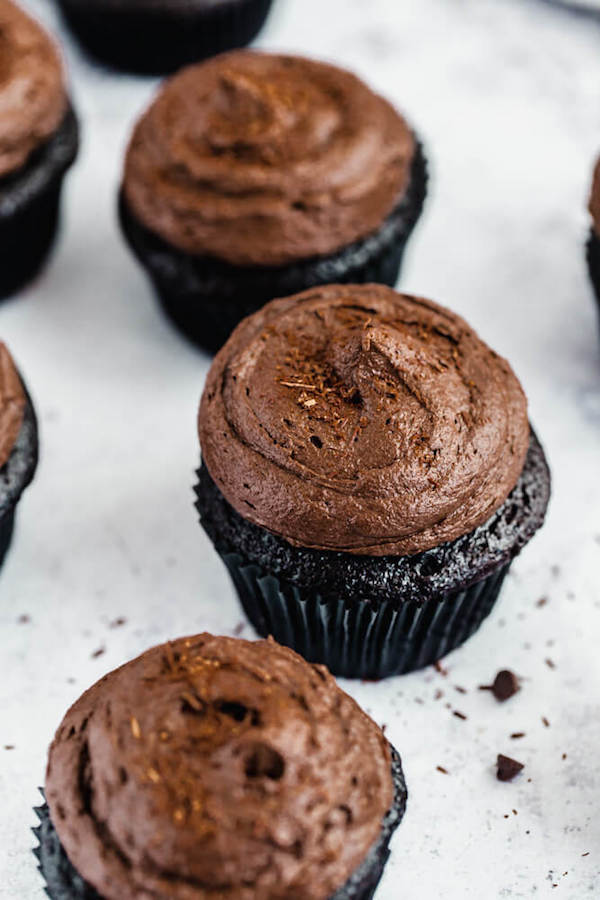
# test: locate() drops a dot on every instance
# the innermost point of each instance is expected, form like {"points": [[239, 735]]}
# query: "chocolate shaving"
{"points": [[508, 768], [506, 685]]}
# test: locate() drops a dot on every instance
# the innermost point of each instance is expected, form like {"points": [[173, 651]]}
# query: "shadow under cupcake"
{"points": [[215, 766], [368, 475], [255, 176]]}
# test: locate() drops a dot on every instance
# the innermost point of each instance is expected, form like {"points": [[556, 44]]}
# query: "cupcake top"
{"points": [[33, 98], [212, 766], [262, 160], [12, 404], [354, 418], [594, 204]]}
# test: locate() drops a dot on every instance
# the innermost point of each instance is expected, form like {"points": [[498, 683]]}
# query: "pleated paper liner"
{"points": [[158, 39], [353, 638], [62, 882], [206, 298]]}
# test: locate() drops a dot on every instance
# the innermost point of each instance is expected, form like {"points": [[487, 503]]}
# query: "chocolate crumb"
{"points": [[9, 746], [550, 663], [438, 694], [506, 685], [461, 690], [515, 813], [564, 756], [586, 854], [542, 601], [439, 668], [459, 715], [239, 628], [517, 734], [99, 652], [442, 770], [24, 619], [117, 623], [508, 768], [545, 722]]}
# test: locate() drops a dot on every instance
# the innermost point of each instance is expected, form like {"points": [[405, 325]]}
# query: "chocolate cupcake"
{"points": [[38, 143], [368, 475], [154, 37], [212, 766], [593, 244], [18, 445], [255, 176]]}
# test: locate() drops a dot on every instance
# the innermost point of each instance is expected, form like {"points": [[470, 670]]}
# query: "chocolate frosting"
{"points": [[215, 767], [12, 404], [33, 100], [594, 204], [353, 418], [262, 160]]}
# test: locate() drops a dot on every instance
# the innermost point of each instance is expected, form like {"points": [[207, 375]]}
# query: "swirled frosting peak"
{"points": [[260, 159], [354, 418], [217, 768], [12, 404], [32, 93]]}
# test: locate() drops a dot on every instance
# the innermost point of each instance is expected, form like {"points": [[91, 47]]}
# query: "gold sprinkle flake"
{"points": [[154, 776], [310, 403], [178, 816], [135, 728]]}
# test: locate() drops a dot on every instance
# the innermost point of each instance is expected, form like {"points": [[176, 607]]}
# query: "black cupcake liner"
{"points": [[16, 474], [373, 617], [158, 38], [29, 207], [593, 260], [572, 6], [206, 298], [62, 882], [353, 638]]}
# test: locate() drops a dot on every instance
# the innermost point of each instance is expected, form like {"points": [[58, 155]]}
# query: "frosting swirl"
{"points": [[33, 99], [262, 160], [214, 767], [353, 418], [12, 404]]}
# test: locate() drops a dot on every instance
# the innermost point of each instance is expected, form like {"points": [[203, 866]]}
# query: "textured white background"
{"points": [[506, 95]]}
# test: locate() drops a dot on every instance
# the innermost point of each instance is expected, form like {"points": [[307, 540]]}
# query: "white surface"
{"points": [[506, 96]]}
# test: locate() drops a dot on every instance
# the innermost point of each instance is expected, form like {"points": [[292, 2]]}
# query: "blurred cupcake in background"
{"points": [[18, 445], [215, 767], [368, 475], [593, 244], [160, 36], [254, 176], [38, 143]]}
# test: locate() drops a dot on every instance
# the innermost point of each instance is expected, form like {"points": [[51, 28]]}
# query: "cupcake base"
{"points": [[16, 474], [29, 207], [372, 617], [593, 259], [158, 38], [206, 298], [64, 883]]}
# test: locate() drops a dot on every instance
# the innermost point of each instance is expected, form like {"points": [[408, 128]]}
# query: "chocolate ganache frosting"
{"points": [[354, 418], [215, 767], [258, 159], [33, 99], [12, 404]]}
